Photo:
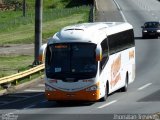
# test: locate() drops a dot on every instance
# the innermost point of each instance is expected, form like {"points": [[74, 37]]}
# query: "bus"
{"points": [[89, 61]]}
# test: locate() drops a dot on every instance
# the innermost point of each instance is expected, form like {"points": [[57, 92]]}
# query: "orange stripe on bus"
{"points": [[78, 95], [131, 54]]}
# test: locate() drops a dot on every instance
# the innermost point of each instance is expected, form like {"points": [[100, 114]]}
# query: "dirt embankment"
{"points": [[17, 49]]}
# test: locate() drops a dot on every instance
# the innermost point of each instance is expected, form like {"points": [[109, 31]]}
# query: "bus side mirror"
{"points": [[42, 53], [98, 53]]}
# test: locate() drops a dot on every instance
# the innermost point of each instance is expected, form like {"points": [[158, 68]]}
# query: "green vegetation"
{"points": [[14, 64], [21, 30], [16, 29], [27, 79]]}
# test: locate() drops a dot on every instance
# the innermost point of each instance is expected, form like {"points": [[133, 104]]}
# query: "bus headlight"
{"points": [[158, 31], [144, 30], [48, 88], [92, 88]]}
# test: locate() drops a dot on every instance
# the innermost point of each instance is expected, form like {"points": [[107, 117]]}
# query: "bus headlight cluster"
{"points": [[158, 31], [144, 30], [92, 88], [48, 88]]}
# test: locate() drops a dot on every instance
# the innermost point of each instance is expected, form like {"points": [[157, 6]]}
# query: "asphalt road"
{"points": [[143, 96]]}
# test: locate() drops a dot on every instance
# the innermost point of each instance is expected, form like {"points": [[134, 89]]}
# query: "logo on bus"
{"points": [[131, 54], [115, 71]]}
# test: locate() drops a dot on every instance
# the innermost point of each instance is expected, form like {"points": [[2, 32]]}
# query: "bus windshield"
{"points": [[71, 60]]}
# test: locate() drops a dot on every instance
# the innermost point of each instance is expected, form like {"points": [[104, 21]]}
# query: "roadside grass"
{"points": [[9, 22], [53, 26], [9, 15], [14, 64], [24, 34], [59, 3], [15, 29], [49, 3], [20, 33], [31, 77]]}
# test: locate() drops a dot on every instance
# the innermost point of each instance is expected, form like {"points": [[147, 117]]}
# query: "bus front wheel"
{"points": [[106, 94], [124, 89]]}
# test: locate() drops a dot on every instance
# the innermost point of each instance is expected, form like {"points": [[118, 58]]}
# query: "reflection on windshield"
{"points": [[71, 60]]}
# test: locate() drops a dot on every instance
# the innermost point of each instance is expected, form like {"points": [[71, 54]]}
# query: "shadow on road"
{"points": [[138, 38], [149, 38], [31, 100], [34, 100], [20, 100]]}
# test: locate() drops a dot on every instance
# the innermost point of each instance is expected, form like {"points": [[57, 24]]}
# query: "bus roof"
{"points": [[89, 32]]}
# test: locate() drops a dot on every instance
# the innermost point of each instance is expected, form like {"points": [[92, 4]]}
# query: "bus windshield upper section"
{"points": [[71, 60]]}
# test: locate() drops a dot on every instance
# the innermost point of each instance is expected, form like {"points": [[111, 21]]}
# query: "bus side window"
{"points": [[104, 54], [120, 41], [48, 55]]}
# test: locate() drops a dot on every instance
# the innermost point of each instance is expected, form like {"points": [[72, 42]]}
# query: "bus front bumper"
{"points": [[82, 95]]}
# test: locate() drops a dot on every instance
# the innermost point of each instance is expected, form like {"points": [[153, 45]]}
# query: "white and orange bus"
{"points": [[88, 61]]}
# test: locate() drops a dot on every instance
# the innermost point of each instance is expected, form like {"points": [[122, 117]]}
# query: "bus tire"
{"points": [[106, 94], [124, 89]]}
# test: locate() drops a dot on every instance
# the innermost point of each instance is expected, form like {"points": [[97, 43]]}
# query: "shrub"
{"points": [[16, 3]]}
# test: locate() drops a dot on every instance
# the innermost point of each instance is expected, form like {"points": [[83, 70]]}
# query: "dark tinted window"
{"points": [[152, 25], [73, 60], [104, 46], [120, 41]]}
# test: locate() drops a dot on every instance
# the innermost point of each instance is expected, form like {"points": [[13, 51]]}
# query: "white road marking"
{"points": [[44, 101], [119, 8], [18, 96], [107, 104], [29, 106], [33, 90], [144, 86]]}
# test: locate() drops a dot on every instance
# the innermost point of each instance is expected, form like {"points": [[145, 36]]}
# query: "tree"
{"points": [[16, 3]]}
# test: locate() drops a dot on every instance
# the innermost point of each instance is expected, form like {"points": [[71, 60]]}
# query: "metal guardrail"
{"points": [[23, 74]]}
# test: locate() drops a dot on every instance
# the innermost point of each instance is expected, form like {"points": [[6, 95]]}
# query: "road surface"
{"points": [[143, 96]]}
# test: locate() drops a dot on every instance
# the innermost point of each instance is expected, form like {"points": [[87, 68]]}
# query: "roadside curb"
{"points": [[13, 89]]}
